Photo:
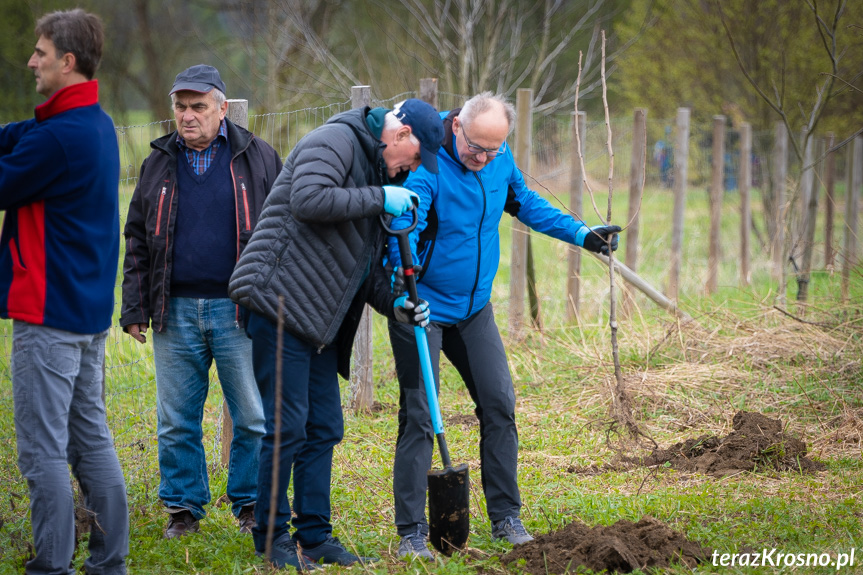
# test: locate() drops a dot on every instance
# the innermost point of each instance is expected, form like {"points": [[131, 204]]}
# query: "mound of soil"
{"points": [[463, 419], [622, 547], [757, 442]]}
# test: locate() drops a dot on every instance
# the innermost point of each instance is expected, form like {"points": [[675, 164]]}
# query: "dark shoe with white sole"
{"points": [[511, 529]]}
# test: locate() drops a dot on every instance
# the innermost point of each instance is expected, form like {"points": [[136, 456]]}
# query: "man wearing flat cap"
{"points": [[198, 198], [314, 261]]}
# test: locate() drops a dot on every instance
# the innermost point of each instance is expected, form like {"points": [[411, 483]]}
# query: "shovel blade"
{"points": [[449, 508]]}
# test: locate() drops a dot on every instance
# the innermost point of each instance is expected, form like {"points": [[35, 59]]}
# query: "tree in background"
{"points": [[684, 58], [760, 62], [308, 52], [287, 54], [18, 94]]}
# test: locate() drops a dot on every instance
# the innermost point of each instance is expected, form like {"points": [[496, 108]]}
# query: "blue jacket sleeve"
{"points": [[35, 160], [11, 133], [424, 183], [536, 212]]}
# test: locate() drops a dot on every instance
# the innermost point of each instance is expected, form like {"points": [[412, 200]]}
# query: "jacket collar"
{"points": [[448, 143], [239, 138], [68, 98]]}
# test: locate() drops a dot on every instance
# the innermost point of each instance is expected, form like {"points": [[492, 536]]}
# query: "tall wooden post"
{"points": [[636, 190], [829, 179], [362, 391], [681, 166], [800, 221], [238, 113], [428, 91], [576, 193], [808, 220], [744, 181], [518, 267], [717, 189], [852, 202], [780, 173]]}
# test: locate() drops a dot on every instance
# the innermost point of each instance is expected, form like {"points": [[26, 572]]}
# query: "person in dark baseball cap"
{"points": [[426, 125], [199, 78], [201, 190]]}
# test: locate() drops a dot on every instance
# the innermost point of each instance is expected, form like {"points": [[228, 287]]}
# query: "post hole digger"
{"points": [[448, 488]]}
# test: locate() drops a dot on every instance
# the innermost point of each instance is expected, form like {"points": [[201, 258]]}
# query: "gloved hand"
{"points": [[594, 239], [406, 312], [397, 200], [397, 280]]}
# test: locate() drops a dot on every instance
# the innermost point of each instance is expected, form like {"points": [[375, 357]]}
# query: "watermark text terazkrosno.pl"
{"points": [[775, 558]]}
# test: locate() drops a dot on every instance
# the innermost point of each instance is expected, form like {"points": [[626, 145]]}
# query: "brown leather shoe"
{"points": [[180, 524], [247, 518]]}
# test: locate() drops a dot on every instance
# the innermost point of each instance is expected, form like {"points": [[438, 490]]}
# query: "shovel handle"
{"points": [[420, 335]]}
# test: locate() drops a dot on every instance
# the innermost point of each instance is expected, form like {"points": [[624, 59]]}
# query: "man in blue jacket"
{"points": [[457, 244], [59, 177]]}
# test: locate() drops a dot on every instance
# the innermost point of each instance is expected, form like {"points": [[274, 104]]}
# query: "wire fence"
{"points": [[130, 380]]}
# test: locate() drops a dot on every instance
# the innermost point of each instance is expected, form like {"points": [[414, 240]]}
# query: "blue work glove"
{"points": [[406, 312], [594, 239], [397, 280], [398, 200]]}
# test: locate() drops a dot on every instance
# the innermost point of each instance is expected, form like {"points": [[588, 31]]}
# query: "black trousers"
{"points": [[475, 349]]}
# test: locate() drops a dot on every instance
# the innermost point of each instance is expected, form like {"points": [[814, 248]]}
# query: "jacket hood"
{"points": [[372, 147], [356, 121]]}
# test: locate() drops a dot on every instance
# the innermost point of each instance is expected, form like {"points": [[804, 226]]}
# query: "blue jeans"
{"points": [[57, 383], [198, 332], [311, 426]]}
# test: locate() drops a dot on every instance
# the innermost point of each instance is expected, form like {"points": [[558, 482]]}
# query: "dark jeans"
{"points": [[475, 349], [311, 425]]}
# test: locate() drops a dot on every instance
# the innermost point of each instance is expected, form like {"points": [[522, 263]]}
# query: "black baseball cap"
{"points": [[199, 78], [426, 125]]}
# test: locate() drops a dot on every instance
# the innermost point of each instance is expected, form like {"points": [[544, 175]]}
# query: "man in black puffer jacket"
{"points": [[318, 246]]}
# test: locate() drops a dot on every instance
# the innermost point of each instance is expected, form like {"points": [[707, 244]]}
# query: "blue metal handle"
{"points": [[428, 376]]}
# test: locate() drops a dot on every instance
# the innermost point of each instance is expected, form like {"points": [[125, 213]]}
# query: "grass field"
{"points": [[686, 380]]}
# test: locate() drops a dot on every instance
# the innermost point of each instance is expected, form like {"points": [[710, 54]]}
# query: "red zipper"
{"points": [[246, 206], [159, 212]]}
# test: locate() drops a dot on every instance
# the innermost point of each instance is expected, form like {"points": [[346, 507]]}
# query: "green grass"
{"points": [[685, 381]]}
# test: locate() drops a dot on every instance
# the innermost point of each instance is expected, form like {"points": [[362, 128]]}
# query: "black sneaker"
{"points": [[332, 551], [285, 554], [512, 530]]}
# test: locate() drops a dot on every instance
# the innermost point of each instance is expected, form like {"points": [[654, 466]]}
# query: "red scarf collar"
{"points": [[65, 99]]}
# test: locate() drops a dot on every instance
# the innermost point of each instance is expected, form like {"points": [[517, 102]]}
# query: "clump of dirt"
{"points": [[463, 419], [622, 547], [757, 442]]}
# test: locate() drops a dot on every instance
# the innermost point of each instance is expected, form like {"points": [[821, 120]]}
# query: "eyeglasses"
{"points": [[474, 149]]}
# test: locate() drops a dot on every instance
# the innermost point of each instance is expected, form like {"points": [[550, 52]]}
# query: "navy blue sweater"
{"points": [[205, 245]]}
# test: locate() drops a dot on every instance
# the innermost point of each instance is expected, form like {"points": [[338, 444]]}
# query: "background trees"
{"points": [[287, 54], [684, 58]]}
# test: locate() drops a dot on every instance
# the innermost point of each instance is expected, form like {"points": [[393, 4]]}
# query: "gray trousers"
{"points": [[57, 382], [475, 349]]}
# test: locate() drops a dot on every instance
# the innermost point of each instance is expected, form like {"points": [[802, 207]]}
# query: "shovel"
{"points": [[448, 488]]}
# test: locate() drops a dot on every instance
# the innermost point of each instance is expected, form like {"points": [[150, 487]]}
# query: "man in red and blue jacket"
{"points": [[59, 180]]}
